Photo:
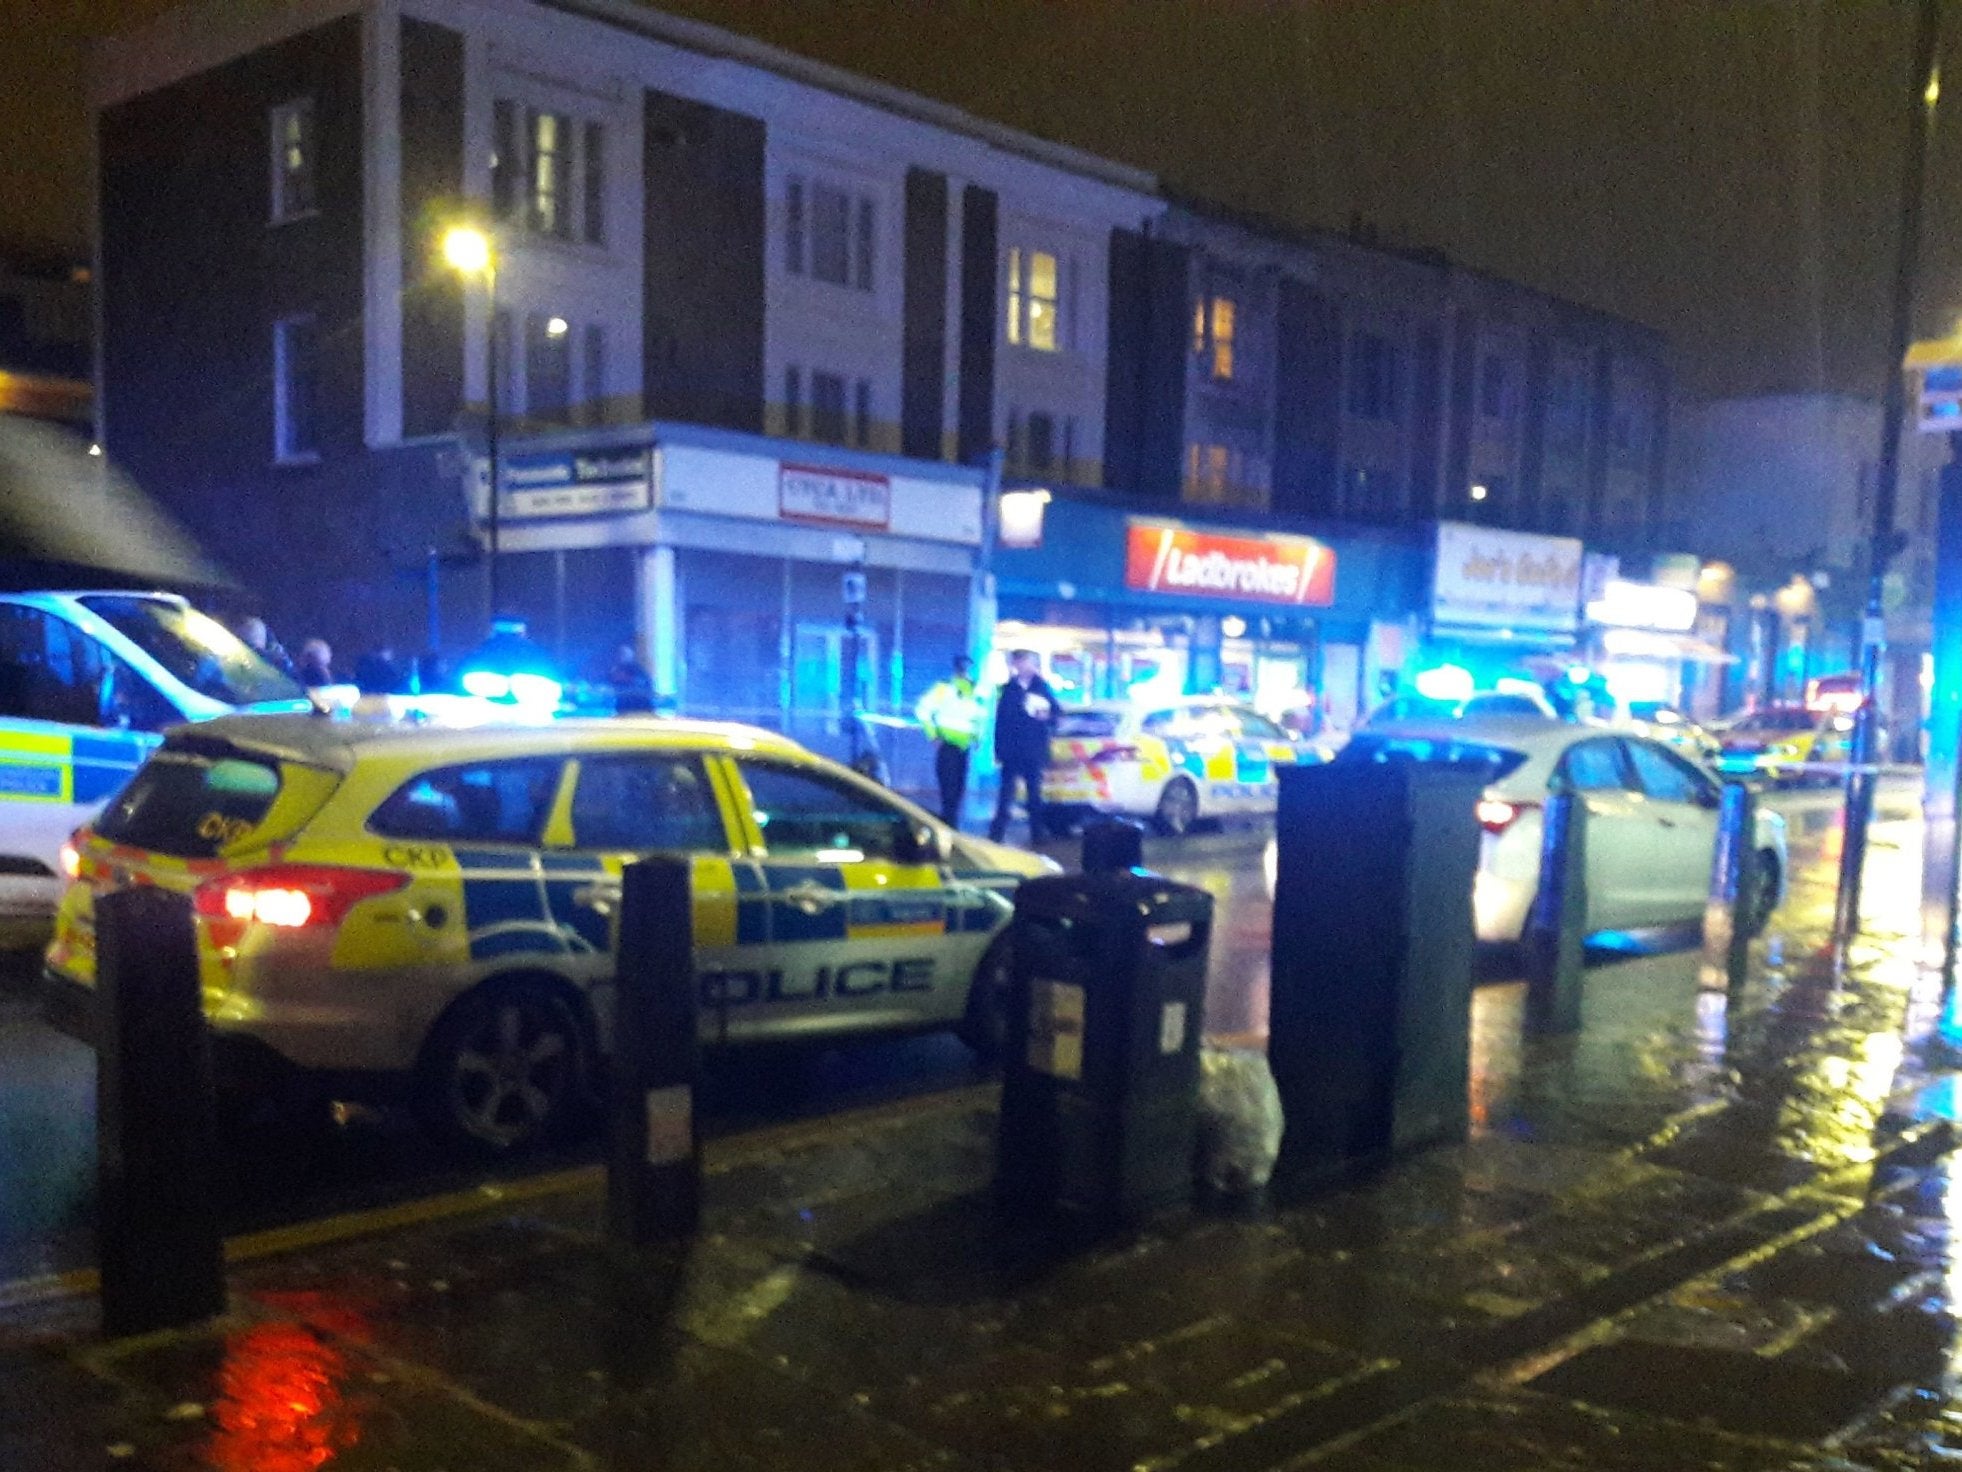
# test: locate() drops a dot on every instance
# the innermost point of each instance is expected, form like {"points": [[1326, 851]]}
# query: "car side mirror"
{"points": [[920, 843]]}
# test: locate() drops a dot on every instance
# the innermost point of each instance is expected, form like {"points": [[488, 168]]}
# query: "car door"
{"points": [[858, 928], [1617, 836], [1681, 805], [1262, 747], [623, 806]]}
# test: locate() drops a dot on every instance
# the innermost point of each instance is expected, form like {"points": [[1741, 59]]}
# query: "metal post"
{"points": [[653, 1166], [1860, 773], [1112, 845], [1733, 889], [1556, 927], [490, 432], [160, 1247], [433, 595]]}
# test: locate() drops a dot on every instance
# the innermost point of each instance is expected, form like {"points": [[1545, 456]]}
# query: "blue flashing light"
{"points": [[1445, 682], [487, 684]]}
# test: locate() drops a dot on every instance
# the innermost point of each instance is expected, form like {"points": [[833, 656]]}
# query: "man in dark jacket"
{"points": [[1025, 716]]}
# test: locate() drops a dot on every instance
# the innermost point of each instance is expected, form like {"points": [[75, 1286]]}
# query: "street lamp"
{"points": [[469, 252]]}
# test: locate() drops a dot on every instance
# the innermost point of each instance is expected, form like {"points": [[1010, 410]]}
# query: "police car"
{"points": [[87, 681], [383, 904], [1172, 763]]}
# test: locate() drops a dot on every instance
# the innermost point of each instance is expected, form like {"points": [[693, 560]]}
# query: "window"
{"points": [[1032, 300], [292, 160], [194, 648], [486, 802], [1634, 425], [864, 243], [1221, 475], [1593, 766], [799, 812], [1666, 777], [793, 227], [862, 413], [831, 234], [1212, 334], [1373, 363], [1495, 388], [793, 401], [549, 209], [1567, 412], [828, 408], [295, 391], [168, 805], [504, 159], [1040, 455], [593, 165], [1256, 727], [548, 368], [645, 802], [593, 388], [48, 671]]}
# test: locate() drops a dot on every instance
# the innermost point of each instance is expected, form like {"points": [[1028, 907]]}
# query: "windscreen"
{"points": [[1500, 761], [195, 648], [1086, 723], [191, 806]]}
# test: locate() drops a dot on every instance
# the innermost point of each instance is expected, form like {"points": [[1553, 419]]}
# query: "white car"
{"points": [[1172, 763], [88, 681], [1651, 816]]}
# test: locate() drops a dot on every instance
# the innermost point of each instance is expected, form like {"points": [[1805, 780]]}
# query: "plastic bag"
{"points": [[1239, 1120]]}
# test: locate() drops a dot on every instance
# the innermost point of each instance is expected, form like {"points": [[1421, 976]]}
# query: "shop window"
{"points": [[1213, 329], [1034, 302], [292, 141]]}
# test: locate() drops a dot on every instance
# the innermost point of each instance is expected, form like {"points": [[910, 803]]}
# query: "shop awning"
{"points": [[70, 518], [1648, 644]]}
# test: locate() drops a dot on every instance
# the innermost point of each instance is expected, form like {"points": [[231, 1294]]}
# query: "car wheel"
{"points": [[505, 1069], [1178, 807], [1764, 894], [985, 1027]]}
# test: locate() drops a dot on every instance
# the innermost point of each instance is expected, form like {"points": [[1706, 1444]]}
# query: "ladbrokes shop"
{"points": [[1122, 605]]}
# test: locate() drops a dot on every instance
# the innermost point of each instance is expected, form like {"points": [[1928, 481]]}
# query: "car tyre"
{"points": [[985, 1026], [505, 1070], [1764, 894], [1178, 808]]}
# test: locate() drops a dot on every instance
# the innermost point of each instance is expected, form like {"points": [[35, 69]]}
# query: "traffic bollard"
{"points": [[653, 1163], [1112, 845], [1733, 884], [1556, 926], [160, 1245], [1369, 1011]]}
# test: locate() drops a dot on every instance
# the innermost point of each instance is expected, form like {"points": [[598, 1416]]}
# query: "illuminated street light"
{"points": [[469, 252], [555, 327]]}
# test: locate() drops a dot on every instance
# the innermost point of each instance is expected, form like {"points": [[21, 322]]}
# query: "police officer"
{"points": [[1025, 715], [950, 714]]}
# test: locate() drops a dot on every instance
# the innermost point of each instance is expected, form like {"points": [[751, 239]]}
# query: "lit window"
{"points": [[1212, 334], [292, 160], [295, 387], [550, 136], [1033, 300]]}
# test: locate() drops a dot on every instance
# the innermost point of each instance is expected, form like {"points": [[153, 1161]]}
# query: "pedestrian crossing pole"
{"points": [[1885, 540]]}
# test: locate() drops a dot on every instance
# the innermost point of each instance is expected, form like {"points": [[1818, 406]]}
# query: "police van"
{"points": [[383, 904], [88, 681]]}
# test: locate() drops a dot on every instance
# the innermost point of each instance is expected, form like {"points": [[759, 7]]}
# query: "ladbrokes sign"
{"points": [[1171, 559]]}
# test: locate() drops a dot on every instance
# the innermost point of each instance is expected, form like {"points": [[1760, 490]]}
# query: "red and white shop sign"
{"points": [[834, 497], [1170, 559]]}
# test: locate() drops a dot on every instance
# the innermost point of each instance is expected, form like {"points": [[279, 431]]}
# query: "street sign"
{"points": [[1938, 361]]}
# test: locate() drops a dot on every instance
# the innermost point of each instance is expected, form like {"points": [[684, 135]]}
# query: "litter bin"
{"points": [[1100, 1081]]}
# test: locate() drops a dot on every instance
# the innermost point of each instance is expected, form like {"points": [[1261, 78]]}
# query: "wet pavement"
{"points": [[1709, 1230]]}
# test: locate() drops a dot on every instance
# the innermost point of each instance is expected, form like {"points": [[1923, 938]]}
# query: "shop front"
{"points": [[769, 581], [1504, 606], [1127, 606], [1645, 641]]}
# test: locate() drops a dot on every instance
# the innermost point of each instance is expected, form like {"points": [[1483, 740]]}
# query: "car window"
{"points": [[482, 802], [1594, 766], [1665, 776], [1086, 723], [195, 648], [1501, 704], [191, 806], [645, 802], [1256, 727], [49, 669], [807, 812], [1373, 747]]}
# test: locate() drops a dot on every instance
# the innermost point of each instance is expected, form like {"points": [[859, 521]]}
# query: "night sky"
{"points": [[1727, 170]]}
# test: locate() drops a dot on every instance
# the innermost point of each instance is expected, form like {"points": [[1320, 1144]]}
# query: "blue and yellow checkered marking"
{"points": [[55, 767]]}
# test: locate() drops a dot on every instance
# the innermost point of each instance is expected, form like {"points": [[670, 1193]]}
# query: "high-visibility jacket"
{"points": [[951, 712]]}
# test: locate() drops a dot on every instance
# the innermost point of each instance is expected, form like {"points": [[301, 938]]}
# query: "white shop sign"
{"points": [[1494, 579], [721, 482]]}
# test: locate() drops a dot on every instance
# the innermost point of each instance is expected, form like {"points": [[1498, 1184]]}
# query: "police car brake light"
{"points": [[1495, 814], [1116, 754], [71, 860], [291, 896]]}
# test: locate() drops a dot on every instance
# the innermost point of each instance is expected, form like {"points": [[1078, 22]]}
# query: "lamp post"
{"points": [[470, 252]]}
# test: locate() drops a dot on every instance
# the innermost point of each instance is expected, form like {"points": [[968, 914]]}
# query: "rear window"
{"points": [[1500, 761], [1777, 721], [482, 802], [1086, 723], [191, 807]]}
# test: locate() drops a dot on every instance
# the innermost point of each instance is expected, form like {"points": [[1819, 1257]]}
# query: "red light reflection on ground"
{"points": [[281, 1403]]}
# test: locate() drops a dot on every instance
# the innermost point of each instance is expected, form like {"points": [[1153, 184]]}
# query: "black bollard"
{"points": [[1112, 845], [1733, 888], [1556, 926], [653, 1162], [161, 1250]]}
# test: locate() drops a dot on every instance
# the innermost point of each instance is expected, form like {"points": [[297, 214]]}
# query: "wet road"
{"points": [[294, 1172]]}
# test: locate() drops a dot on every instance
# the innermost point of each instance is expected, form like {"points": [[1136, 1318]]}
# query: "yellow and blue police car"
{"points": [[1171, 763], [381, 903], [87, 682]]}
